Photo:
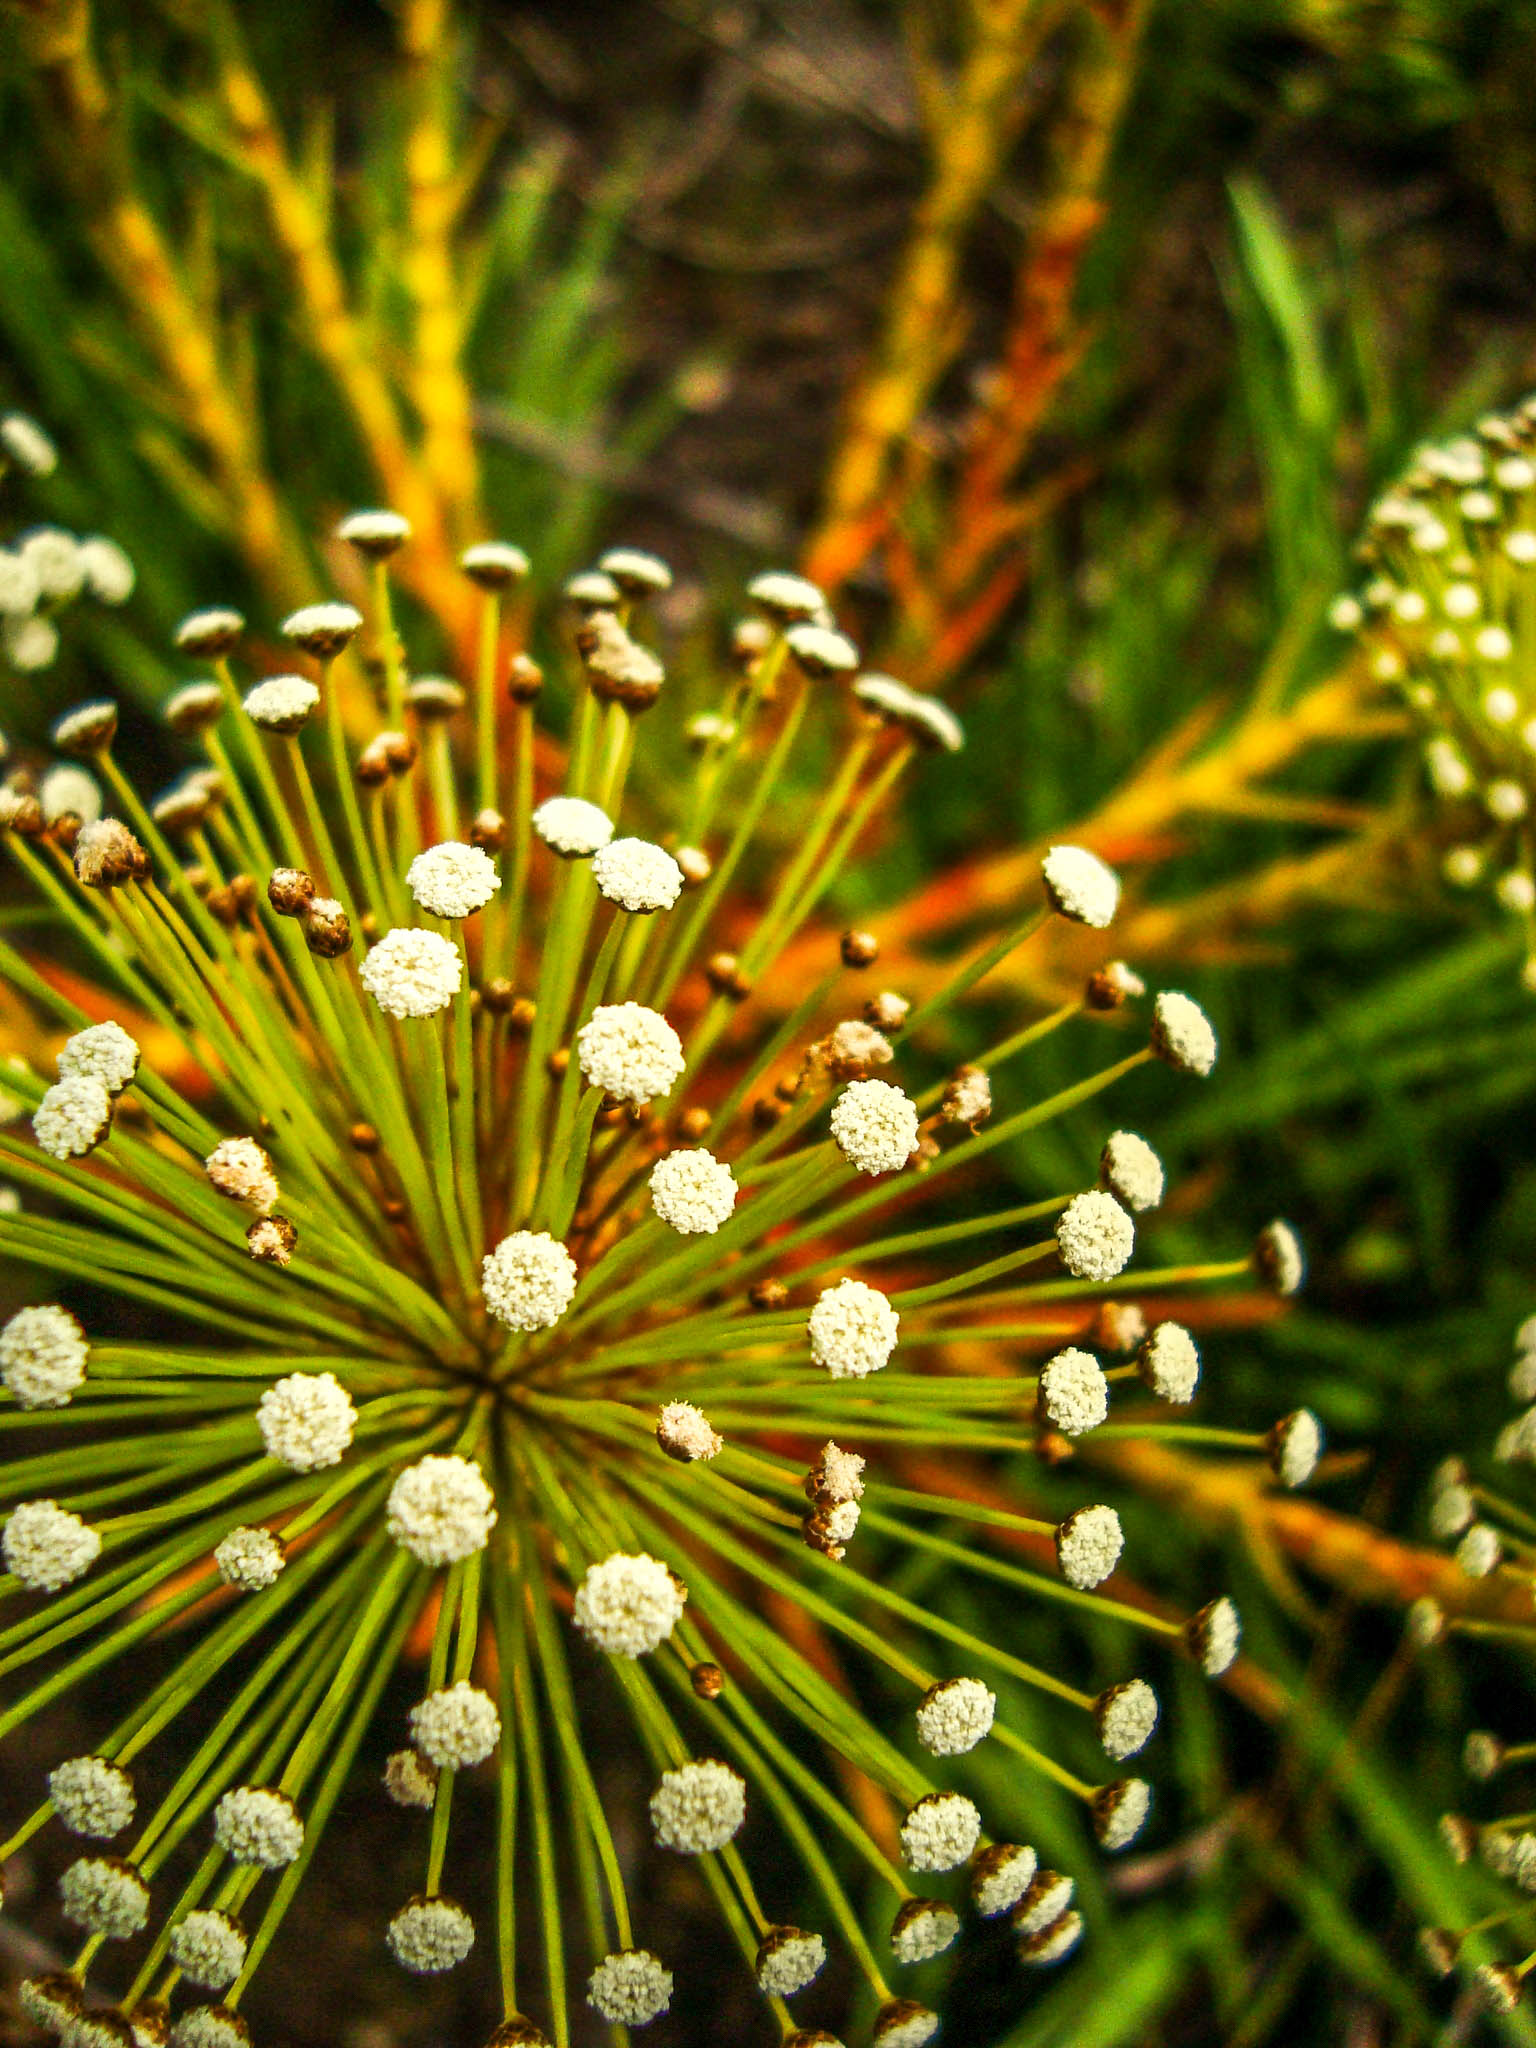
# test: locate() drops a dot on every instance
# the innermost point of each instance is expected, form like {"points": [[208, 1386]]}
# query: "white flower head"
{"points": [[1295, 1445], [571, 827], [242, 1171], [1279, 1258], [1131, 1171], [408, 1780], [1052, 1943], [412, 973], [68, 791], [47, 1547], [1080, 886], [591, 590], [940, 1832], [693, 1191], [73, 1117], [105, 1052], [1480, 1552], [902, 2023], [1182, 1034], [821, 650], [430, 1934], [628, 1605], [282, 704], [43, 1356], [1214, 1636], [1074, 1395], [31, 643], [494, 564], [637, 875], [528, 1280], [1094, 1236], [923, 1929], [630, 1052], [452, 880], [698, 1807], [375, 532], [637, 572], [1088, 1546], [630, 1988], [322, 629], [787, 597], [210, 2026], [92, 1796], [23, 442], [1000, 1877], [684, 1433], [1125, 1716], [1120, 1812], [837, 1476], [875, 1126], [256, 1825], [306, 1420], [213, 630], [853, 1330], [250, 1558], [1169, 1363], [55, 558], [209, 1948], [18, 585], [105, 1895], [954, 1715], [1045, 1899], [441, 1509], [108, 569], [456, 1726], [787, 1960]]}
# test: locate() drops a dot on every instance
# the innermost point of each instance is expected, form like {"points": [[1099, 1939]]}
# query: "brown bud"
{"points": [[368, 925], [723, 972], [887, 1011], [290, 891], [224, 905], [788, 1087], [693, 1123], [272, 1240], [498, 995], [1439, 1946], [152, 2023], [489, 831], [559, 1060], [859, 949], [517, 2033], [1112, 985], [107, 855], [66, 830], [525, 679], [363, 1138], [708, 1681], [243, 889], [400, 751], [768, 1293], [23, 813], [327, 929], [520, 1018], [394, 1209], [372, 766], [766, 1112]]}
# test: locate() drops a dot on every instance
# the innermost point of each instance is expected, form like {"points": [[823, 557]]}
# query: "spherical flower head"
{"points": [[430, 1934], [441, 1509], [306, 1420], [55, 558], [69, 792], [282, 704], [630, 1052], [684, 1433], [1169, 1363], [412, 973], [1080, 886], [43, 1356], [902, 2023], [637, 572], [1214, 1636], [23, 442], [1120, 1812], [637, 875], [571, 827], [213, 630], [822, 651], [105, 1052], [494, 564], [92, 1796], [968, 1097], [630, 1988], [456, 1726], [787, 1960], [18, 586], [1000, 1877], [242, 1170], [452, 880], [1074, 1395], [1088, 1546], [591, 590], [628, 1605], [408, 1780], [1295, 1445], [322, 629], [1048, 1896], [693, 1191], [787, 597], [107, 855], [73, 1117], [1278, 1258], [250, 1558], [47, 1547], [210, 2026], [528, 1280], [1182, 1034], [105, 1895], [923, 1929], [1480, 1552], [375, 533], [256, 1825], [836, 1476], [1052, 1943], [852, 1329], [1094, 1236], [209, 1948], [1125, 1716], [30, 643], [1131, 1171], [875, 1126], [698, 1807], [940, 1832], [108, 569], [954, 1715]]}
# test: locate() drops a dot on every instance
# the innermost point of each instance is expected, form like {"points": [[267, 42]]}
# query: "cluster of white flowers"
{"points": [[452, 880], [209, 1948], [412, 973], [529, 1280], [630, 1988], [628, 1605], [47, 1546], [853, 1330], [46, 567], [693, 1191], [636, 875], [441, 1509], [428, 1935], [306, 1420], [953, 1716], [256, 1825], [630, 1052], [456, 1726], [940, 1832], [43, 1356], [92, 1796], [698, 1807], [875, 1126]]}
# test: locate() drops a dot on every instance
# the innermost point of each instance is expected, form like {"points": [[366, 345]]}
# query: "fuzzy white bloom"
{"points": [[787, 596], [73, 1117], [1279, 1258], [628, 1605], [630, 1987], [67, 791], [31, 644], [107, 568], [1214, 1636], [495, 563], [242, 1170], [1516, 891], [322, 628], [48, 1547], [1500, 706], [208, 1948], [1480, 1552], [282, 704], [968, 1097], [452, 880], [1169, 1362], [18, 584], [591, 588], [1295, 1445], [428, 1935], [1088, 1546], [1120, 1812], [306, 1420], [923, 1929], [636, 570], [23, 442], [1046, 1898], [1131, 1171], [953, 1716], [787, 1960], [412, 973], [105, 1895], [52, 2003], [1094, 1236], [1125, 1716], [570, 826], [55, 558], [1182, 1034], [1074, 1395], [372, 530], [1080, 886], [91, 1795], [256, 1825], [852, 1329], [875, 1126], [693, 1191], [528, 1280], [210, 2026], [940, 1832], [441, 1509], [838, 1475], [822, 650], [1053, 1942], [1001, 1876], [250, 1558], [213, 630], [698, 1807], [637, 875], [456, 1726], [630, 1052], [684, 1432], [105, 1052], [409, 1781], [43, 1356], [901, 2024]]}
